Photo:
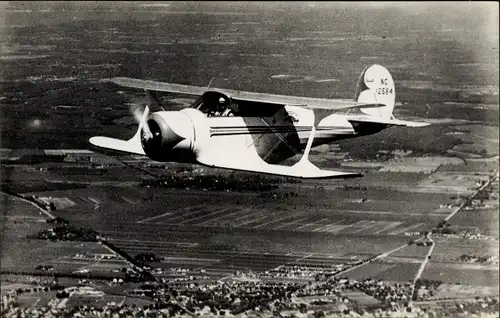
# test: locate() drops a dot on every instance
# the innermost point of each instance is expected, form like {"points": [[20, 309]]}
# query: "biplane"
{"points": [[256, 132]]}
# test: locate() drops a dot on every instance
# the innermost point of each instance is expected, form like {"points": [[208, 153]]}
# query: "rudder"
{"points": [[375, 85]]}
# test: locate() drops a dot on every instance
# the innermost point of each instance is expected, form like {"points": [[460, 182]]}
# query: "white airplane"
{"points": [[256, 131]]}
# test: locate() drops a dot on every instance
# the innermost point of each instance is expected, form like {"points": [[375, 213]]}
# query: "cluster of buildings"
{"points": [[478, 259], [384, 292], [68, 233], [10, 308], [302, 272], [477, 236], [263, 297], [233, 296]]}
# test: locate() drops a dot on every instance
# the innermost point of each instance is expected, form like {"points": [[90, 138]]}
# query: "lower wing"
{"points": [[234, 161], [302, 169], [130, 146]]}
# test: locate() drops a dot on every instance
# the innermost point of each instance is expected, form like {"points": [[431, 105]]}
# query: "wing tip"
{"points": [[422, 124], [96, 140], [307, 170], [119, 80], [334, 175]]}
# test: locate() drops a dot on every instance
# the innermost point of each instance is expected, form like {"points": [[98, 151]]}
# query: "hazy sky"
{"points": [[482, 15], [474, 24]]}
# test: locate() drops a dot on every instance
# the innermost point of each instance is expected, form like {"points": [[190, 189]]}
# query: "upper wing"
{"points": [[159, 86], [237, 95]]}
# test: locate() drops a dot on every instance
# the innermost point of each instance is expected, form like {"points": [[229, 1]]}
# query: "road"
{"points": [[493, 177], [422, 266], [47, 213], [431, 249], [375, 258]]}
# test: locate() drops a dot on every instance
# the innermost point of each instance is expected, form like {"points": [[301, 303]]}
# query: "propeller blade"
{"points": [[140, 110], [146, 131], [137, 107]]}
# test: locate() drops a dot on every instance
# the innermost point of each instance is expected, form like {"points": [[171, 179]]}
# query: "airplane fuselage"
{"points": [[273, 138]]}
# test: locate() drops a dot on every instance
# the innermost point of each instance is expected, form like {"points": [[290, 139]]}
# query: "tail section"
{"points": [[376, 86]]}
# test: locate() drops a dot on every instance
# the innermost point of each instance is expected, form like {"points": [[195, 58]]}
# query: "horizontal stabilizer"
{"points": [[354, 107], [391, 122]]}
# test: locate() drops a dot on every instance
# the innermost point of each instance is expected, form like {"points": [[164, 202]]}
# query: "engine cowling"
{"points": [[168, 136]]}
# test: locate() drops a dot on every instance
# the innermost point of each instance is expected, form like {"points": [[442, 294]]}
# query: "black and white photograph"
{"points": [[249, 159]]}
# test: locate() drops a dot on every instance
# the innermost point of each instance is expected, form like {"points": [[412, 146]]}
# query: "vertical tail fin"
{"points": [[376, 85]]}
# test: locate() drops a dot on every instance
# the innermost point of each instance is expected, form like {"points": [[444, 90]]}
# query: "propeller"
{"points": [[140, 110], [140, 107]]}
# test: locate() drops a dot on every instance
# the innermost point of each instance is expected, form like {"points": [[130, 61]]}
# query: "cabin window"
{"points": [[215, 104]]}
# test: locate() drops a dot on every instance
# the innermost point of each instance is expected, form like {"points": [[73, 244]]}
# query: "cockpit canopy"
{"points": [[215, 104]]}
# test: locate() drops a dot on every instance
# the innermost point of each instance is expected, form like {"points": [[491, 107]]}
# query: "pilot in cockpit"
{"points": [[221, 108]]}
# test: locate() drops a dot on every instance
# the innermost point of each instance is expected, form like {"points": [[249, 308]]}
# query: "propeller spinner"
{"points": [[162, 133]]}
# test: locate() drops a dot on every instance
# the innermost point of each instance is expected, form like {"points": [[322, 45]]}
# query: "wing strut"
{"points": [[309, 142], [304, 164], [152, 96]]}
